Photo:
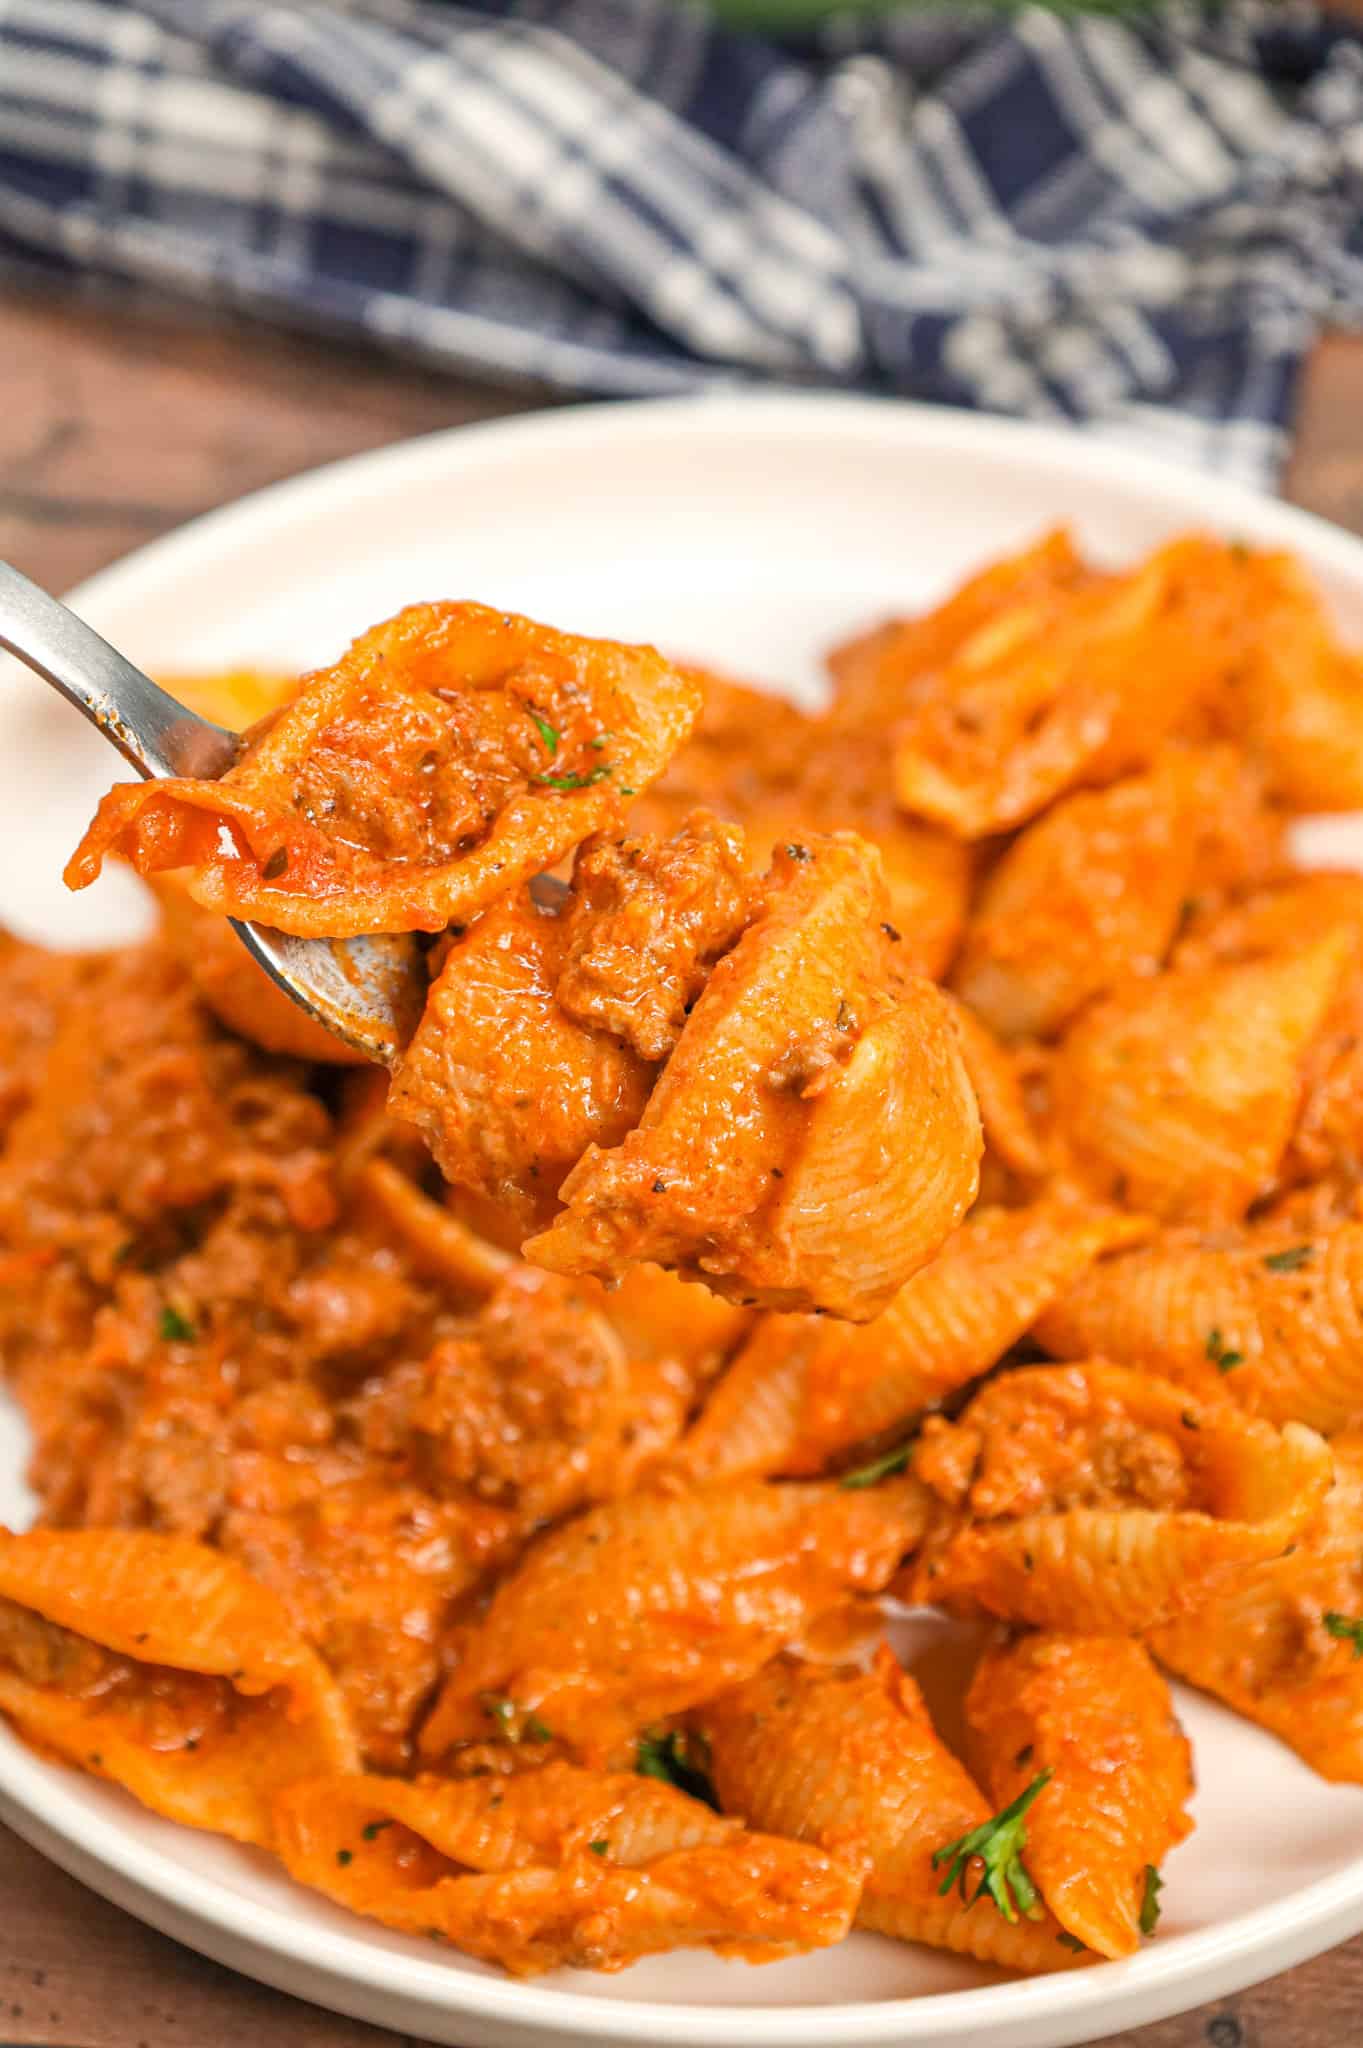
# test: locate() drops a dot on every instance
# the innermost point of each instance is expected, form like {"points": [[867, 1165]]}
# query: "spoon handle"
{"points": [[150, 729]]}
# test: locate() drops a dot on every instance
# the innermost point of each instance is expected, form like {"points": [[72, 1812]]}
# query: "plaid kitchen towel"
{"points": [[1139, 220]]}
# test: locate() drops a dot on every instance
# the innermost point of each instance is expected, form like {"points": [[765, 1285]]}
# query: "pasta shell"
{"points": [[1268, 1319], [927, 877], [845, 787], [1327, 1138], [804, 1390], [851, 1136], [850, 1760], [1280, 1642], [649, 1604], [1100, 1500], [438, 1242], [1075, 688], [1094, 890], [496, 1823], [506, 1088], [560, 1867], [1302, 693], [1010, 1135], [162, 1665], [1178, 1094], [448, 756], [1096, 1714], [873, 673]]}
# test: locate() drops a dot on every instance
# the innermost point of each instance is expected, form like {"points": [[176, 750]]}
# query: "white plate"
{"points": [[752, 531]]}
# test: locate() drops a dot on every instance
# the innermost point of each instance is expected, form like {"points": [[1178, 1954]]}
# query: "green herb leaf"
{"points": [[598, 1848], [597, 774], [1154, 1885], [1290, 1261], [999, 1842], [344, 1856], [1223, 1360], [1072, 1941], [514, 1725], [879, 1468], [372, 1829], [1346, 1629], [175, 1328], [678, 1759], [547, 732]]}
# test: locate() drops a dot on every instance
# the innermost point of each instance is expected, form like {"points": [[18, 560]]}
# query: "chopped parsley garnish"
{"points": [[344, 1856], [512, 1724], [601, 739], [1154, 1885], [598, 1848], [594, 775], [372, 1829], [1068, 1940], [1223, 1360], [1346, 1630], [1290, 1261], [547, 732], [999, 1842], [879, 1468], [175, 1328], [678, 1759]]}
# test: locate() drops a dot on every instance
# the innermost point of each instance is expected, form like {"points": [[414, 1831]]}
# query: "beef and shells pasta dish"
{"points": [[907, 1155]]}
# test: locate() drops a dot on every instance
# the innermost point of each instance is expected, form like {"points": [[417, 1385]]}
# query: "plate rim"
{"points": [[34, 1794], [1067, 446]]}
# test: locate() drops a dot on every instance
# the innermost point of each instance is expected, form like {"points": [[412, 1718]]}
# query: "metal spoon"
{"points": [[367, 991]]}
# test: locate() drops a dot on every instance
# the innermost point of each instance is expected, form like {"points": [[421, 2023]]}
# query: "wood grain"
{"points": [[121, 421]]}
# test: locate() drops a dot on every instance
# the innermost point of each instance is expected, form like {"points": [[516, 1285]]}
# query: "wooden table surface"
{"points": [[122, 420]]}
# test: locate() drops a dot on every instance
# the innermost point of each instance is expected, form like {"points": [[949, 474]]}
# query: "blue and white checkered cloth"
{"points": [[1140, 222]]}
